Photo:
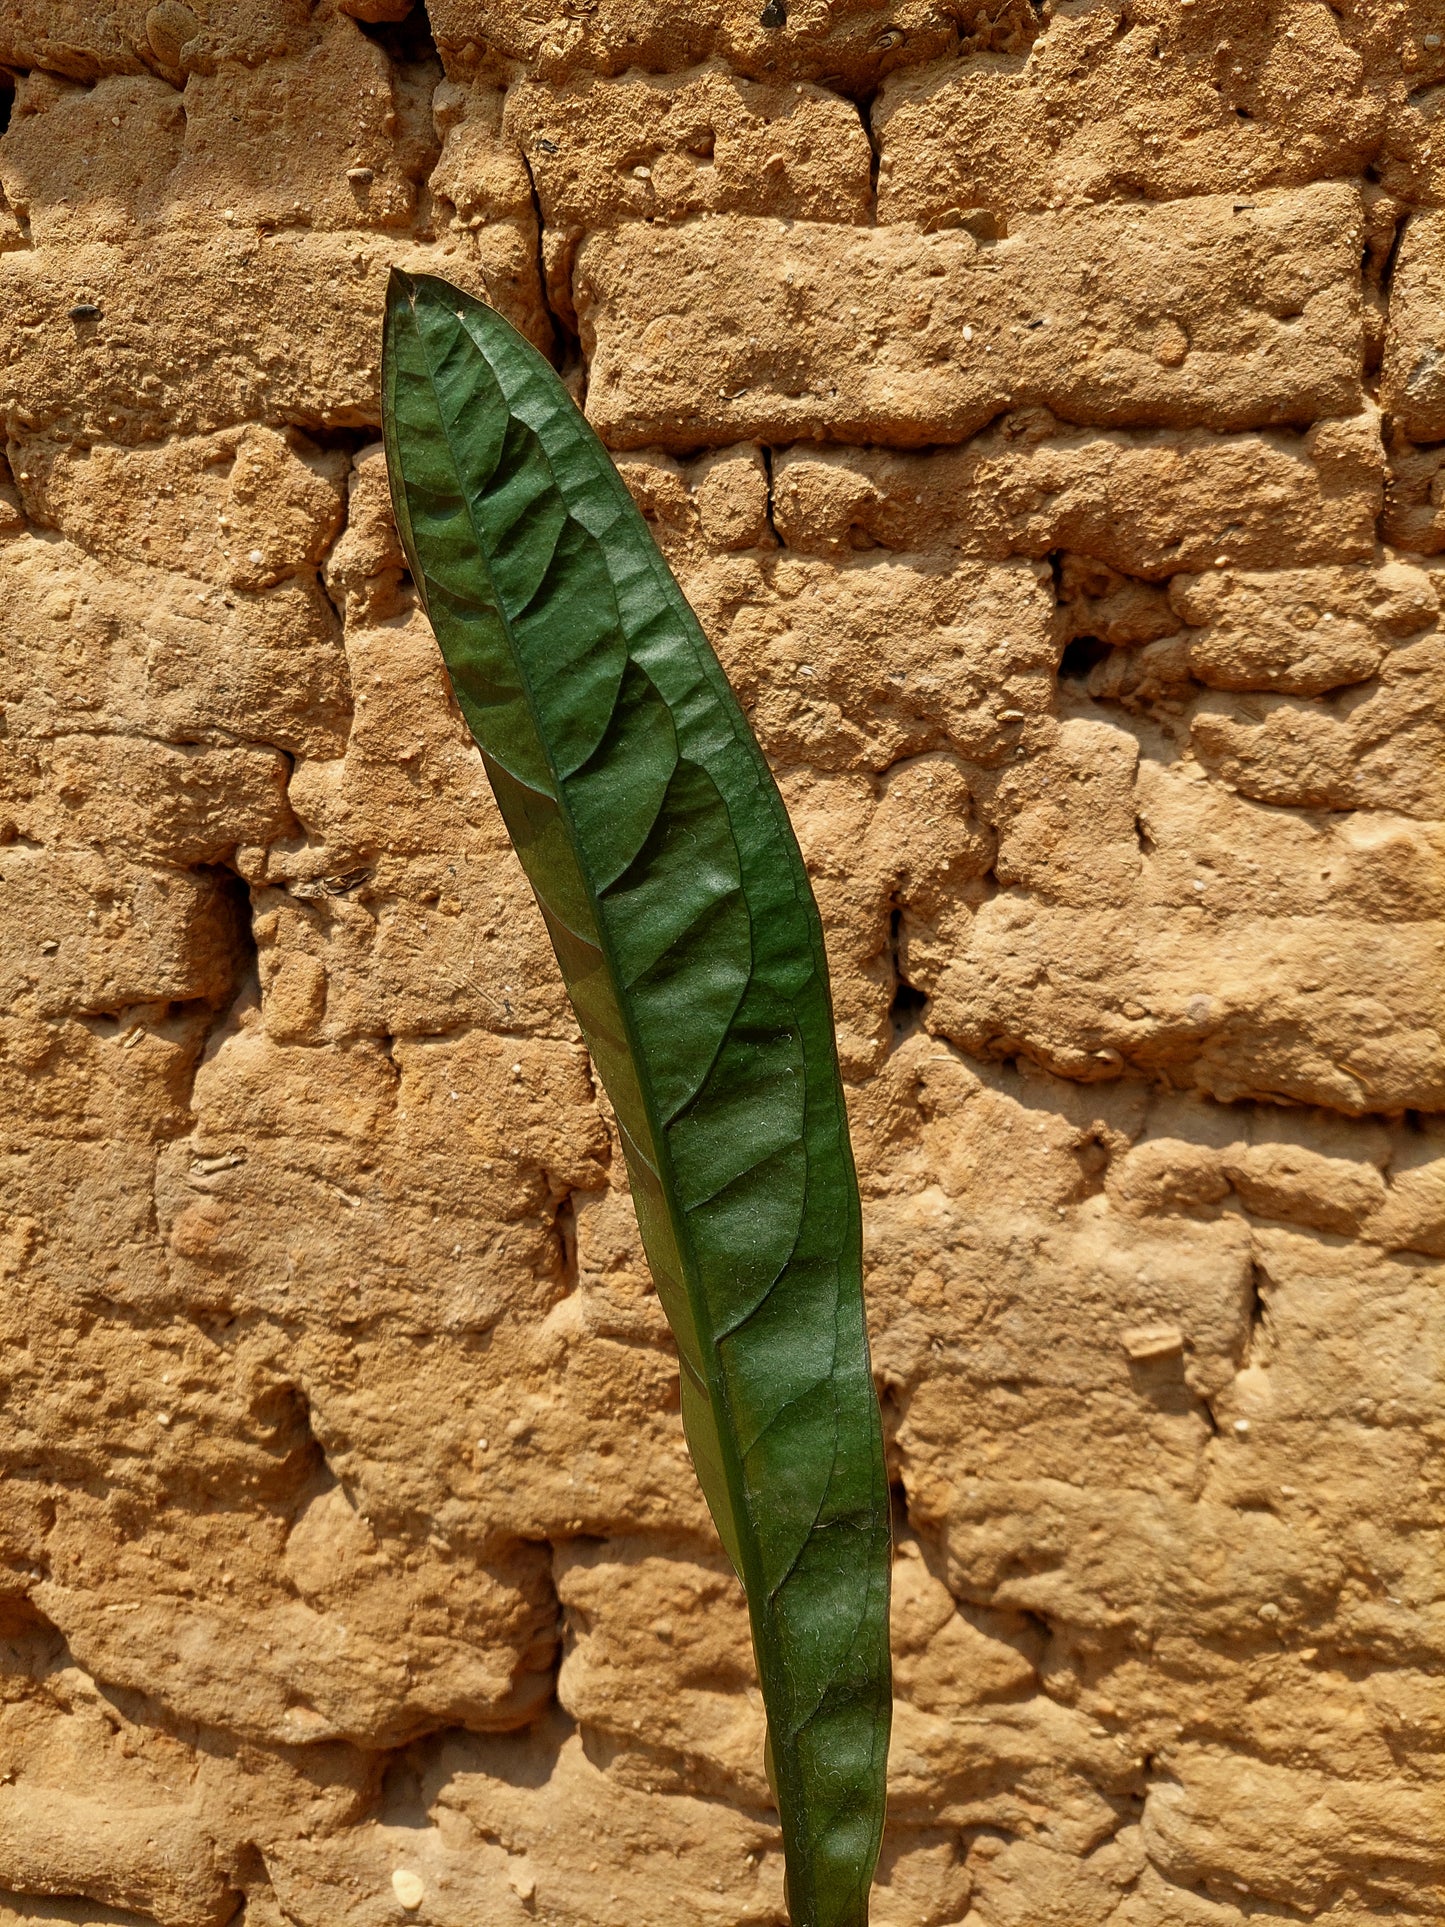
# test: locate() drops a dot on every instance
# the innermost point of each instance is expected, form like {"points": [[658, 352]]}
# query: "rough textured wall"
{"points": [[1044, 406]]}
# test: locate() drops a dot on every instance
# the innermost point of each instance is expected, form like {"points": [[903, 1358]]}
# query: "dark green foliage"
{"points": [[665, 866]]}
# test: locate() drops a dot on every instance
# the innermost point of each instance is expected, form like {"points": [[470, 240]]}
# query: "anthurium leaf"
{"points": [[670, 880]]}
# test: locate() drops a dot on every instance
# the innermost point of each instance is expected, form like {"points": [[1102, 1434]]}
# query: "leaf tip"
{"points": [[400, 286]]}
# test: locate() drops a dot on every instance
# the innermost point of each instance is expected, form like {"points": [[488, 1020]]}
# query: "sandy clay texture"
{"points": [[1044, 406]]}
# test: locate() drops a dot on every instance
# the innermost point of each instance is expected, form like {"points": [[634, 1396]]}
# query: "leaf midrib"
{"points": [[753, 1580]]}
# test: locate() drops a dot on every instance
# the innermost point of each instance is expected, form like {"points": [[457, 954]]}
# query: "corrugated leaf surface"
{"points": [[665, 866]]}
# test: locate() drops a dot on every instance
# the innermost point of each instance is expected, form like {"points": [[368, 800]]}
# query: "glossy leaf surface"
{"points": [[662, 858]]}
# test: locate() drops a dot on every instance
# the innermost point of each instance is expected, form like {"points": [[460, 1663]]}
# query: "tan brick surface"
{"points": [[1039, 404]]}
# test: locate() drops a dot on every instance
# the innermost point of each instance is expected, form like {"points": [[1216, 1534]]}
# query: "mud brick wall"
{"points": [[1044, 406]]}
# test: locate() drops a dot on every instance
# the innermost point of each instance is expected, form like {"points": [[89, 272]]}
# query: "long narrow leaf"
{"points": [[662, 858]]}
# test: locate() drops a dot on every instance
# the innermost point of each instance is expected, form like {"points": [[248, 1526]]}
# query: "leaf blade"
{"points": [[661, 854]]}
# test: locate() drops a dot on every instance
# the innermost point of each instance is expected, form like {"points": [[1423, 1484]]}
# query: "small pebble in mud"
{"points": [[409, 1888]]}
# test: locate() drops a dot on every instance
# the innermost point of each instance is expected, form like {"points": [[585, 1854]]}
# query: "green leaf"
{"points": [[664, 863]]}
